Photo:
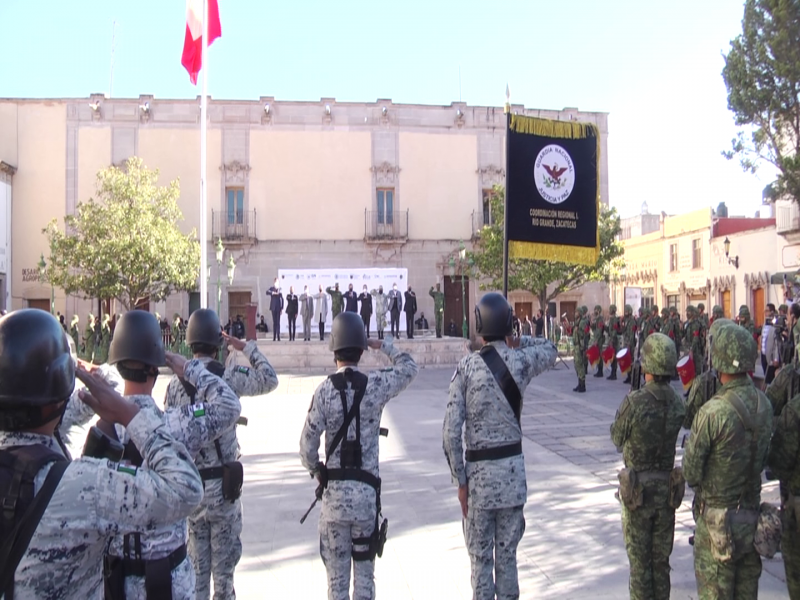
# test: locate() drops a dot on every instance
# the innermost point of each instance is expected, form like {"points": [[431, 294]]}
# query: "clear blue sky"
{"points": [[654, 66]]}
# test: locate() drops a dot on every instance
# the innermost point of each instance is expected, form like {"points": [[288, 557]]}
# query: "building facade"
{"points": [[290, 185]]}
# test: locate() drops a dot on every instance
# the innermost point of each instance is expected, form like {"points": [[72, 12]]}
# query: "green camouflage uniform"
{"points": [[653, 322], [337, 301], [645, 429], [629, 327], [75, 333], [705, 385], [176, 332], [783, 460], [693, 338], [613, 330], [88, 339], [673, 329], [746, 322], [598, 333], [580, 331], [641, 326], [720, 463], [103, 341], [779, 391], [701, 314], [438, 308]]}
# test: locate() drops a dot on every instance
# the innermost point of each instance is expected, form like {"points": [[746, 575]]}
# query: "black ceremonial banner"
{"points": [[552, 190]]}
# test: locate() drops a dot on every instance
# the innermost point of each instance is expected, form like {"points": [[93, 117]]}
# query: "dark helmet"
{"points": [[36, 368], [347, 331], [493, 316], [204, 328], [137, 337]]}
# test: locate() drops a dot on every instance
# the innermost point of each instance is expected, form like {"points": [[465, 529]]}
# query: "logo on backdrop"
{"points": [[554, 174]]}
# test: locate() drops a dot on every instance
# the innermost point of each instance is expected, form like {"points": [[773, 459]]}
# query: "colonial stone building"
{"points": [[290, 185]]}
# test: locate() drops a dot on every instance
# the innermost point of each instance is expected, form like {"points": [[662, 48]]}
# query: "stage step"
{"points": [[315, 356]]}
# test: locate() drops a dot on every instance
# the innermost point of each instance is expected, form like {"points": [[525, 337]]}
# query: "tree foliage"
{"points": [[762, 74], [125, 244], [544, 279]]}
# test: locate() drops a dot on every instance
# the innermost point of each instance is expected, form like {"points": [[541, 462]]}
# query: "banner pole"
{"points": [[505, 207], [203, 182]]}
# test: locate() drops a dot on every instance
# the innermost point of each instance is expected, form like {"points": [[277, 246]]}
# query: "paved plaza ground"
{"points": [[572, 548]]}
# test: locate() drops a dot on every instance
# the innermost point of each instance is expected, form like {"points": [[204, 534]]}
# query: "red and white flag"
{"points": [[192, 58]]}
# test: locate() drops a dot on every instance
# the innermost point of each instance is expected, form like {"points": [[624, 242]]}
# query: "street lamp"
{"points": [[219, 249], [42, 270], [231, 269], [731, 261]]}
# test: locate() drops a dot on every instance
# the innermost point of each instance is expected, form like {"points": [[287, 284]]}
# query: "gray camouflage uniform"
{"points": [[497, 488], [348, 507], [96, 499], [216, 410], [77, 414], [216, 526], [381, 308]]}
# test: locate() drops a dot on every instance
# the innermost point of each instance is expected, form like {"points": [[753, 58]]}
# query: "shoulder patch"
{"points": [[196, 410], [119, 467], [243, 370], [387, 370]]}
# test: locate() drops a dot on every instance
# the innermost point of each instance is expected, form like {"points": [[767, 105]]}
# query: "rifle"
{"points": [[636, 375]]}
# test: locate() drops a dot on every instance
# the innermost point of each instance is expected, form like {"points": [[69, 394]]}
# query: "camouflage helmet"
{"points": [[598, 308], [721, 322], [659, 355], [628, 309], [673, 310], [584, 310], [641, 310], [691, 310], [783, 308], [734, 351], [654, 309], [701, 306], [717, 312], [612, 309], [665, 312], [744, 311]]}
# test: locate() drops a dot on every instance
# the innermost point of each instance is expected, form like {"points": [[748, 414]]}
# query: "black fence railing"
{"points": [[234, 226], [381, 225]]}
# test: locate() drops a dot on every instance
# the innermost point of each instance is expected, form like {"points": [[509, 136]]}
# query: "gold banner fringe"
{"points": [[553, 252], [555, 129]]}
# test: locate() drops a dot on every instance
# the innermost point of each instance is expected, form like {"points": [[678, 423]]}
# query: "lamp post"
{"points": [[219, 249], [42, 270]]}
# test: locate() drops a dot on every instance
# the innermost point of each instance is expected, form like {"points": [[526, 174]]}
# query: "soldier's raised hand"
{"points": [[236, 343], [176, 363], [104, 400]]}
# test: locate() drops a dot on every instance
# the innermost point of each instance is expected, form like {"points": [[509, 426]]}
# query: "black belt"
{"points": [[211, 473], [355, 475], [137, 567], [494, 453]]}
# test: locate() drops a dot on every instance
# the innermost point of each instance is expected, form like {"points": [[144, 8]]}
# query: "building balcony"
{"points": [[380, 226], [234, 227], [787, 218]]}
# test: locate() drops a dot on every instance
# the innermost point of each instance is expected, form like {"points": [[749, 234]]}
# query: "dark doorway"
{"points": [[41, 304], [194, 302], [569, 308], [453, 306], [238, 303]]}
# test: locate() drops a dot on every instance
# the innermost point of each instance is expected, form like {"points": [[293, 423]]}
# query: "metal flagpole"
{"points": [[505, 204], [203, 188]]}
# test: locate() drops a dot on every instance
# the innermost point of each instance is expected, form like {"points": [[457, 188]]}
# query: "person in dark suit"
{"points": [[395, 306], [276, 308], [350, 300], [410, 308], [291, 312], [366, 308]]}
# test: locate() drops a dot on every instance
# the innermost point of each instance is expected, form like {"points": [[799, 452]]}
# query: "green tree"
{"points": [[125, 244], [544, 279], [762, 74]]}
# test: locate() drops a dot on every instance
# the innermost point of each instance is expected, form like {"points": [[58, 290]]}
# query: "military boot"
{"points": [[599, 370], [578, 387], [582, 385], [628, 378], [613, 376]]}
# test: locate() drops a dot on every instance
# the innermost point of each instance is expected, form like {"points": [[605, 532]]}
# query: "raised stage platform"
{"points": [[315, 356]]}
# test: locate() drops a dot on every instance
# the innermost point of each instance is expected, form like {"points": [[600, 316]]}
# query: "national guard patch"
{"points": [[129, 469], [197, 410], [243, 370]]}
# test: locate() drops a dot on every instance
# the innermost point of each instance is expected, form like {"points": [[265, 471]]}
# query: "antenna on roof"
{"points": [[113, 44]]}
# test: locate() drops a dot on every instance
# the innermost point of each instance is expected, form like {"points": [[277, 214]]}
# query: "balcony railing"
{"points": [[380, 225], [237, 226]]}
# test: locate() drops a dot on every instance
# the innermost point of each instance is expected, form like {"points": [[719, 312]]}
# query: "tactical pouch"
{"points": [[719, 533], [113, 578], [767, 539], [380, 540], [232, 480], [350, 456], [677, 487], [631, 492], [100, 445]]}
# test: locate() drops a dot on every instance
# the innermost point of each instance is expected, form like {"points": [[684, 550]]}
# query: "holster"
{"points": [[158, 579], [631, 492], [677, 487], [113, 578], [100, 445], [232, 480]]}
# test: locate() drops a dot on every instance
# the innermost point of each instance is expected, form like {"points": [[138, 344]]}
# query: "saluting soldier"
{"points": [[492, 488], [438, 307], [215, 528], [337, 299], [645, 430], [90, 500], [347, 407]]}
